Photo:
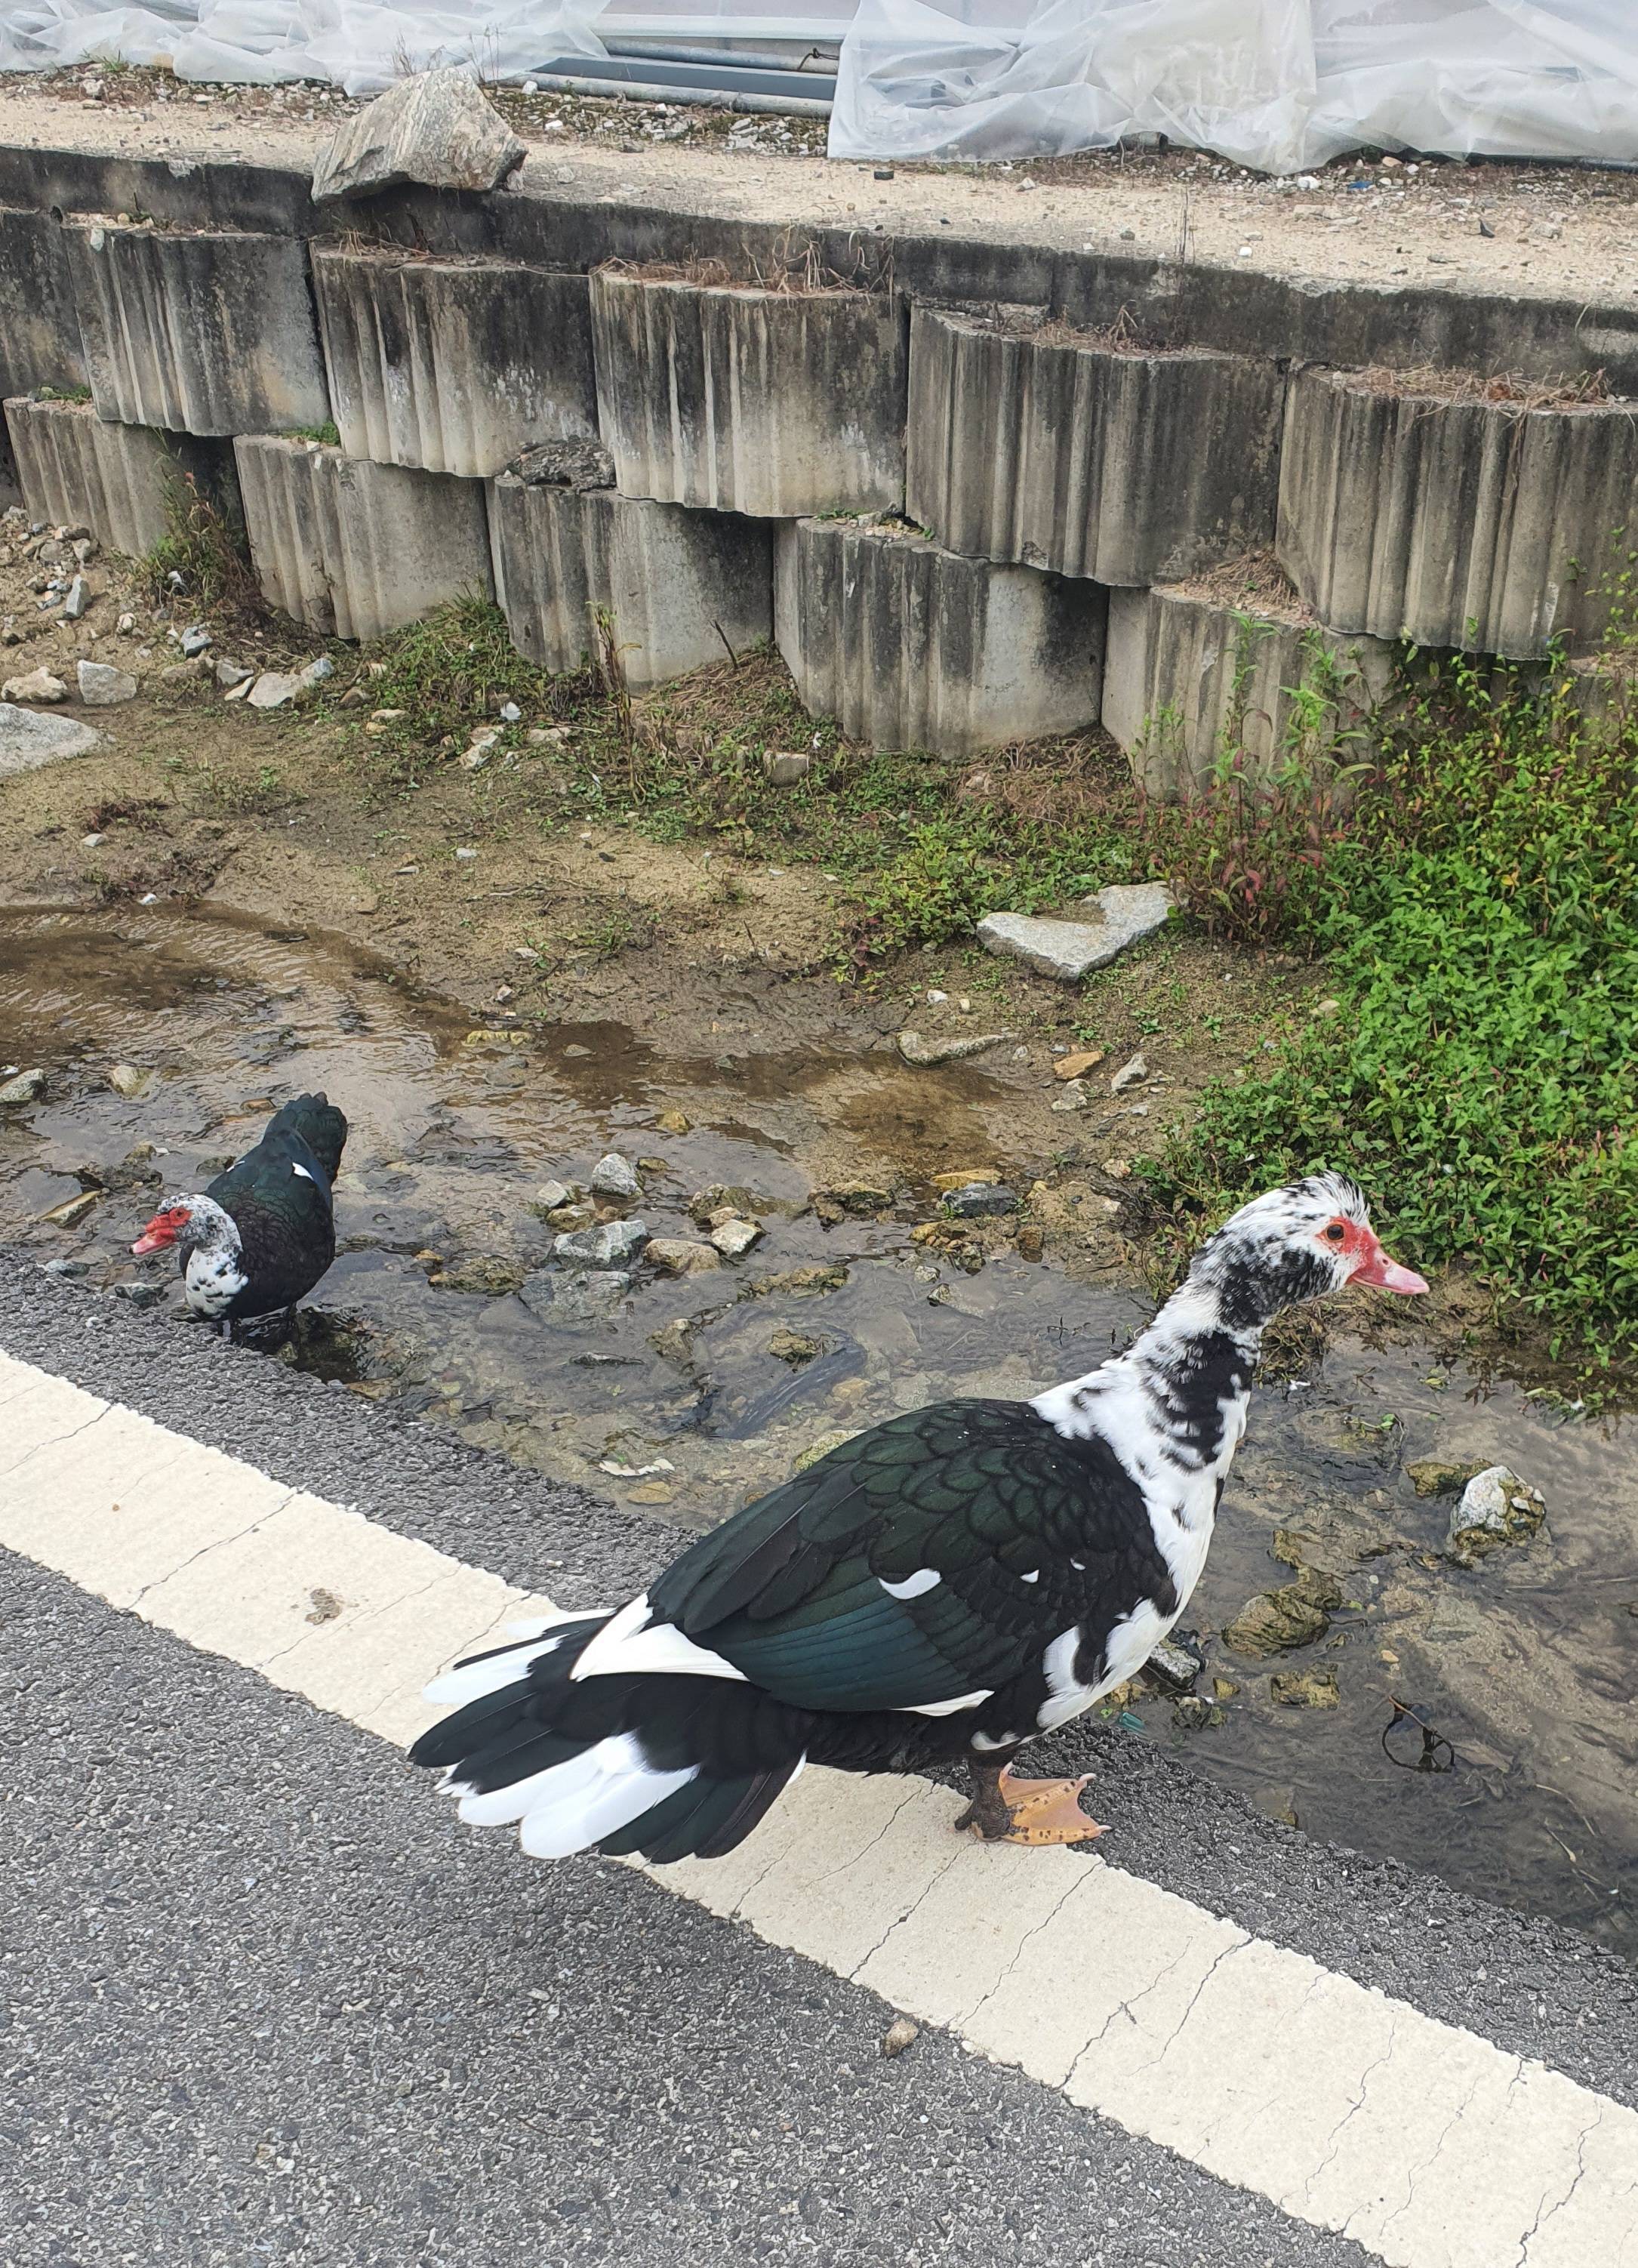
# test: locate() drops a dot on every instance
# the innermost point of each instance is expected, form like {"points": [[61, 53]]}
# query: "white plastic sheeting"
{"points": [[1274, 84], [360, 44]]}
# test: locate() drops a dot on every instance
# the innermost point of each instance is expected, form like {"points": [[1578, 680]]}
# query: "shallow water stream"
{"points": [[1525, 1671]]}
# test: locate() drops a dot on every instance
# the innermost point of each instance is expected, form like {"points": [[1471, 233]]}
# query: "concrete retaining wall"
{"points": [[39, 334], [773, 403], [210, 333], [1456, 523], [678, 588], [1051, 466], [1087, 456], [1188, 680], [912, 646], [119, 480], [357, 549], [453, 366]]}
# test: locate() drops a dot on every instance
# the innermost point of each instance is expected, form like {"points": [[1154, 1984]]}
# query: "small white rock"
{"points": [[101, 686], [614, 1177], [735, 1237]]}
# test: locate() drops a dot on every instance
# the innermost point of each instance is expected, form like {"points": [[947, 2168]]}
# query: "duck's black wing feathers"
{"points": [[279, 1197], [928, 1559]]}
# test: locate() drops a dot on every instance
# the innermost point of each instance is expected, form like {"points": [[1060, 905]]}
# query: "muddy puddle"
{"points": [[1485, 1722]]}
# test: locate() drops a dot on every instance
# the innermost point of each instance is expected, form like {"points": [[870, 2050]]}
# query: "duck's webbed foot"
{"points": [[1004, 1810]]}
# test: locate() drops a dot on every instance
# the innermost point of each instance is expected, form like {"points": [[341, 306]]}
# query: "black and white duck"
{"points": [[949, 1585], [263, 1233]]}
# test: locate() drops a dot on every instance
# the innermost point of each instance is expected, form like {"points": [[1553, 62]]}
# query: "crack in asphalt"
{"points": [[56, 1440], [1546, 2212], [217, 1544], [1353, 2108], [1046, 1922]]}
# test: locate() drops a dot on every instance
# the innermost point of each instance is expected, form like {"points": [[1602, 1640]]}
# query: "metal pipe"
{"points": [[608, 90], [720, 78], [656, 51]]}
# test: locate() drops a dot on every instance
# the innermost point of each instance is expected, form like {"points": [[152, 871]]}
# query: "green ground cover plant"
{"points": [[1478, 908]]}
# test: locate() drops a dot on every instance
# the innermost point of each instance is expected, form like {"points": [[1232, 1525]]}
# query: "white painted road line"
{"points": [[1427, 2144]]}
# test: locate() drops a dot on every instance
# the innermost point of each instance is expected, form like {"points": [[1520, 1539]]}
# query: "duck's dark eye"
{"points": [[1336, 1233]]}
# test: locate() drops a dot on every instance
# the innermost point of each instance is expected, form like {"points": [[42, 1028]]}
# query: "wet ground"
{"points": [[1484, 1722]]}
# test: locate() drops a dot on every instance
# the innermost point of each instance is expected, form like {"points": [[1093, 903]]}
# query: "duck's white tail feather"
{"points": [[595, 1795], [674, 1763], [483, 1673]]}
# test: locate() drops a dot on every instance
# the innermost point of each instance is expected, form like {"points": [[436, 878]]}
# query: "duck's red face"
{"points": [[1356, 1248], [162, 1231]]}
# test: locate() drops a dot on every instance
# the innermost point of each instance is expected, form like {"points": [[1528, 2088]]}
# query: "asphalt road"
{"points": [[263, 1999]]}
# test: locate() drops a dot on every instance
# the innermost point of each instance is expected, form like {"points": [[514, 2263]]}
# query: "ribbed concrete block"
{"points": [[1189, 678], [1085, 456], [1453, 522], [38, 337], [911, 646], [453, 365], [354, 548], [119, 480], [775, 403], [208, 333], [678, 588]]}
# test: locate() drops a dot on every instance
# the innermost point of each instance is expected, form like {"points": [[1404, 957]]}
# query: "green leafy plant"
{"points": [[1479, 908]]}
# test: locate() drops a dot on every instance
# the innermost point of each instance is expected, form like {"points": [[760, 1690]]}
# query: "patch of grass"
{"points": [[235, 794], [329, 433], [207, 552], [459, 663], [448, 672], [1480, 912]]}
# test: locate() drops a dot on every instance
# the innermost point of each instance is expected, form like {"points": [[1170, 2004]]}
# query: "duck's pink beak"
{"points": [[160, 1233], [1385, 1275]]}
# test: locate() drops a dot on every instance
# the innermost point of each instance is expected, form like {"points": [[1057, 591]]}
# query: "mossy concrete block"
{"points": [[207, 332], [1188, 678], [1457, 522], [119, 480], [356, 549], [1086, 456], [453, 365], [912, 646], [773, 403], [678, 589], [39, 335]]}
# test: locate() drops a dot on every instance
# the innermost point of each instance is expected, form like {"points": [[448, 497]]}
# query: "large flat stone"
{"points": [[208, 331], [1456, 522], [28, 740], [912, 646], [1067, 949], [1190, 679], [679, 588], [436, 128], [77, 470], [454, 365], [775, 403], [1085, 455], [354, 548]]}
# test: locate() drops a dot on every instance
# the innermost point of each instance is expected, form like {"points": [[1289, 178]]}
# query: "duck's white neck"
{"points": [[210, 1229], [1179, 1391]]}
